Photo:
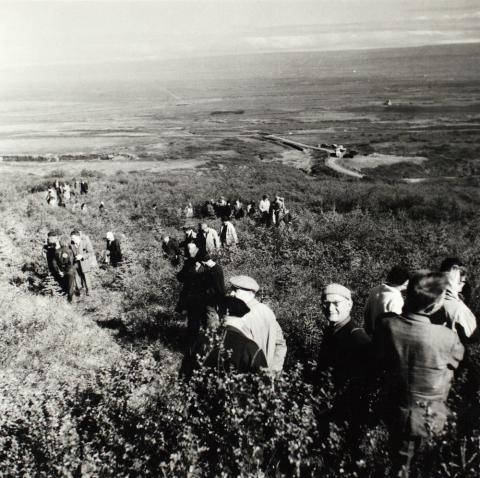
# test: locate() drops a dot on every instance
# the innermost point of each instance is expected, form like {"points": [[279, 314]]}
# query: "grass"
{"points": [[103, 372]]}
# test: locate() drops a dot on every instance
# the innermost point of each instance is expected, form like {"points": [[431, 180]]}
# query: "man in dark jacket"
{"points": [[419, 358], [192, 297], [346, 350], [190, 237], [171, 249], [49, 250], [65, 261]]}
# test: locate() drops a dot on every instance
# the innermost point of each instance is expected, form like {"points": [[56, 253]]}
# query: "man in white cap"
{"points": [[260, 324], [346, 350]]}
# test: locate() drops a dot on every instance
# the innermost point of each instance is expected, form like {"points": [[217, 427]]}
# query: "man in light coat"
{"points": [[207, 239], [455, 312], [228, 234], [260, 324], [85, 260], [386, 297]]}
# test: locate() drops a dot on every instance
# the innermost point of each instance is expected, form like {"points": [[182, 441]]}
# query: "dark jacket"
{"points": [[193, 292], [65, 260], [115, 252], [239, 353], [171, 249], [214, 285], [348, 351], [49, 251], [419, 359]]}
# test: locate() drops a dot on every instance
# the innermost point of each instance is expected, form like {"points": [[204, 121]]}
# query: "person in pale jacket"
{"points": [[208, 239], [457, 315], [386, 297], [228, 234], [260, 323]]}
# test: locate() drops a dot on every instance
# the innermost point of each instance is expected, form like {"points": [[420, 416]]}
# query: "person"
{"points": [[51, 197], [240, 353], [455, 312], [84, 208], [83, 187], [67, 192], [238, 211], [49, 251], [277, 211], [85, 260], [114, 250], [235, 351], [228, 234], [264, 208], [188, 211], [251, 209], [214, 283], [192, 296], [101, 207], [171, 249], [65, 261], [208, 209], [386, 297], [190, 237], [223, 207], [260, 324], [346, 350], [418, 358], [207, 239]]}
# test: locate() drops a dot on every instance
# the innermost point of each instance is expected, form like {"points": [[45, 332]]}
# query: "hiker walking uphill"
{"points": [[49, 250], [386, 297], [65, 261], [419, 359], [264, 208], [260, 324], [228, 234], [171, 249], [114, 251], [208, 240], [189, 238], [192, 297], [85, 261]]}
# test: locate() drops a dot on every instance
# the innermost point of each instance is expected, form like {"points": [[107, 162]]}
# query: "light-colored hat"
{"points": [[338, 290], [245, 283]]}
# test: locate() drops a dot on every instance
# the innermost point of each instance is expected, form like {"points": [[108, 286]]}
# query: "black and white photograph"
{"points": [[240, 238]]}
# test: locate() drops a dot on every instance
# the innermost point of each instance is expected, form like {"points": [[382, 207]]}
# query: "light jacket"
{"points": [[382, 299], [419, 358], [212, 241], [85, 248], [261, 326], [264, 205], [457, 313], [229, 233]]}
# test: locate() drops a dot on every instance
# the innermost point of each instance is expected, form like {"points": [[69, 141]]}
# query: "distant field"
{"points": [[313, 97]]}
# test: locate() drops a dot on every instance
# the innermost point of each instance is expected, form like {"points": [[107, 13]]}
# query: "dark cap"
{"points": [[75, 232]]}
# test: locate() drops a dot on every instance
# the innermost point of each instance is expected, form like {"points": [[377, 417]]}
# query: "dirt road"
{"points": [[331, 162]]}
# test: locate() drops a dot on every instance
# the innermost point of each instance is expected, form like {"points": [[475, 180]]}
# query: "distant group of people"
{"points": [[71, 259], [269, 212], [61, 194]]}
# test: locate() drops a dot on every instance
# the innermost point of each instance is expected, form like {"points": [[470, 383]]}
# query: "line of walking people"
{"points": [[72, 260]]}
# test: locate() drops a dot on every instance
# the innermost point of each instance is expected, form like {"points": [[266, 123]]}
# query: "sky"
{"points": [[44, 33]]}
